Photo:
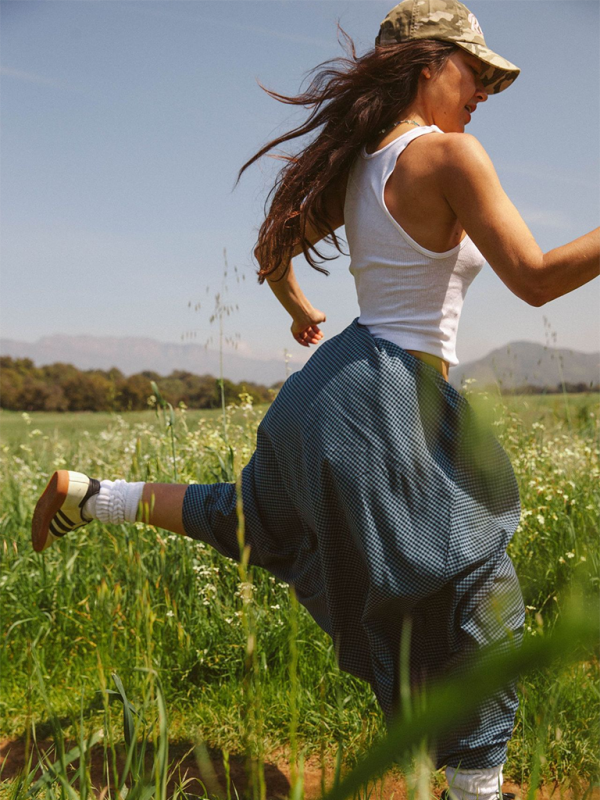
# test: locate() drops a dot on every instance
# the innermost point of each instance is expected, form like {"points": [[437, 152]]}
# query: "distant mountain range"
{"points": [[516, 364], [528, 363], [134, 354]]}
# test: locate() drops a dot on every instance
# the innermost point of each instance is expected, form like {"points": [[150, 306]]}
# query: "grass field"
{"points": [[210, 653], [14, 427]]}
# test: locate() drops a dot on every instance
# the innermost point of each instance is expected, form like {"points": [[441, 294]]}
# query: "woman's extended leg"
{"points": [[162, 506], [72, 499]]}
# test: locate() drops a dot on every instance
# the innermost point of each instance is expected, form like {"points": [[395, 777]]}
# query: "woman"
{"points": [[372, 488]]}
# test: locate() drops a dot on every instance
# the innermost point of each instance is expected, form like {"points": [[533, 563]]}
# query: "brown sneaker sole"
{"points": [[49, 503]]}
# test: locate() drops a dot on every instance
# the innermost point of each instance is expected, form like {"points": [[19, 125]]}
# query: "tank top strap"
{"points": [[397, 145], [380, 164]]}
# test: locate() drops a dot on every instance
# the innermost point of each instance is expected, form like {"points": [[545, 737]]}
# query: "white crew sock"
{"points": [[117, 501], [474, 784]]}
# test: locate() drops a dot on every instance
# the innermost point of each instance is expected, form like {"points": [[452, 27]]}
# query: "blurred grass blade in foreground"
{"points": [[453, 701]]}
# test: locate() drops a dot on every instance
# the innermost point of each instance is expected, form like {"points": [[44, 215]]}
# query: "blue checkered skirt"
{"points": [[375, 491]]}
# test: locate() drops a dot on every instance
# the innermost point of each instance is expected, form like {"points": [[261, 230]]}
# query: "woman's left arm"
{"points": [[471, 186]]}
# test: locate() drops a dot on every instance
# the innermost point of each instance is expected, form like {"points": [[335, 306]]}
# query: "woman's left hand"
{"points": [[305, 330]]}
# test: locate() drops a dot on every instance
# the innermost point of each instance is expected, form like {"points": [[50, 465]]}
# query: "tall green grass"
{"points": [[224, 650]]}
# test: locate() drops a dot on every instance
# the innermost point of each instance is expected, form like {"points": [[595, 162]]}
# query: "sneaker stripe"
{"points": [[66, 519], [53, 530], [58, 523]]}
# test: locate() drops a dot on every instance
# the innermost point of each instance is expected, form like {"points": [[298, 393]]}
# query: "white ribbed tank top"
{"points": [[407, 294]]}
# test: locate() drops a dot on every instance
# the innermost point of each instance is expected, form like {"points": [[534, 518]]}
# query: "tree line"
{"points": [[63, 387]]}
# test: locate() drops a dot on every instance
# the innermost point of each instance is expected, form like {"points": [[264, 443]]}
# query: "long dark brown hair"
{"points": [[352, 99]]}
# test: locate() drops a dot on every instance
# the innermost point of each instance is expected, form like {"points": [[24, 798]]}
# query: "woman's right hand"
{"points": [[305, 329]]}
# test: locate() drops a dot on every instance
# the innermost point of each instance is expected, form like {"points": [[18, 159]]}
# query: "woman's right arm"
{"points": [[469, 182], [305, 317]]}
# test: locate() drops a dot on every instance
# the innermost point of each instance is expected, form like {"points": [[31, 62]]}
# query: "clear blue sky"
{"points": [[124, 125]]}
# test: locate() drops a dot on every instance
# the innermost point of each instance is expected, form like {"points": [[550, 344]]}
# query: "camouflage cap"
{"points": [[448, 21]]}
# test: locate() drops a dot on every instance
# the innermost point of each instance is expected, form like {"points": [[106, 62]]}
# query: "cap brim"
{"points": [[500, 73]]}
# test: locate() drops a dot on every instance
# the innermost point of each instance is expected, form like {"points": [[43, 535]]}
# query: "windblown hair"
{"points": [[351, 99]]}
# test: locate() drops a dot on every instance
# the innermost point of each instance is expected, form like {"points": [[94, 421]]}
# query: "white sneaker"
{"points": [[60, 508]]}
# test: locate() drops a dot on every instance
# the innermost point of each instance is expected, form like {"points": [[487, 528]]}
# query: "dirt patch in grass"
{"points": [[202, 773], [199, 773]]}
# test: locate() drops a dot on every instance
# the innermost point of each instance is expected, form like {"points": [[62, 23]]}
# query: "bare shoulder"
{"points": [[444, 146], [442, 155], [461, 153]]}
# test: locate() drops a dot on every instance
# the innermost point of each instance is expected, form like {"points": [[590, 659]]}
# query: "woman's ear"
{"points": [[426, 73]]}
